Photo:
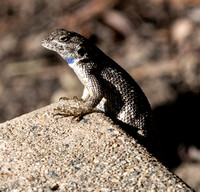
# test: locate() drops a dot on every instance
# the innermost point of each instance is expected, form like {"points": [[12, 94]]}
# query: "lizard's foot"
{"points": [[77, 113]]}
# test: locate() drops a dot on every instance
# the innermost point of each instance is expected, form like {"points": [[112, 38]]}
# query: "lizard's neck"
{"points": [[70, 61]]}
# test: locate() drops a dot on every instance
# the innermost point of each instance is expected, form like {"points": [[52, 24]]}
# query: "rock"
{"points": [[40, 152]]}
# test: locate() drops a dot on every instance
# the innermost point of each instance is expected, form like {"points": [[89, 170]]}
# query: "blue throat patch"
{"points": [[69, 60]]}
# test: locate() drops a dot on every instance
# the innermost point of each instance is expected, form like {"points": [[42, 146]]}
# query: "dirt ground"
{"points": [[156, 41]]}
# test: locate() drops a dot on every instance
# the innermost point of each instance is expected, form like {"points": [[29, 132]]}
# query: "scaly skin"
{"points": [[107, 85]]}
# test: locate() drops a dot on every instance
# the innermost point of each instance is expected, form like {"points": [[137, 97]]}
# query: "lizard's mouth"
{"points": [[49, 45]]}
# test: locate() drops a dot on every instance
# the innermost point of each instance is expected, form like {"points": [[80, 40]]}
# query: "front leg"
{"points": [[85, 95], [76, 112], [91, 97]]}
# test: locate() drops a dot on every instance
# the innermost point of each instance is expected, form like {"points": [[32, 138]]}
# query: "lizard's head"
{"points": [[69, 45]]}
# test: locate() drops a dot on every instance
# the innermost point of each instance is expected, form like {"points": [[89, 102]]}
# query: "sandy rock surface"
{"points": [[42, 153]]}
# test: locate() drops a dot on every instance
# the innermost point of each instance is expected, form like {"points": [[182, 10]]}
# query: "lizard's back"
{"points": [[124, 99]]}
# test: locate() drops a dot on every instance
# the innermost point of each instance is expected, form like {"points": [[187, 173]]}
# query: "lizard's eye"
{"points": [[64, 38]]}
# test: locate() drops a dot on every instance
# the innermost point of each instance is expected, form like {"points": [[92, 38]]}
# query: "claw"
{"points": [[63, 98], [77, 118], [76, 99], [56, 114]]}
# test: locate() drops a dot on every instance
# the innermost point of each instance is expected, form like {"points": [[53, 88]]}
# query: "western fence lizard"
{"points": [[107, 86]]}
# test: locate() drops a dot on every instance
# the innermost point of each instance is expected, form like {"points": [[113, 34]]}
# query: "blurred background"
{"points": [[156, 41]]}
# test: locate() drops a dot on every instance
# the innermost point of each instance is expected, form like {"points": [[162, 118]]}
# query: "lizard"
{"points": [[107, 86]]}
